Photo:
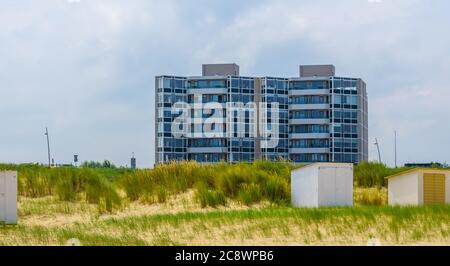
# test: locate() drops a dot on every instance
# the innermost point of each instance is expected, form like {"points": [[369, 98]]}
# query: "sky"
{"points": [[85, 68]]}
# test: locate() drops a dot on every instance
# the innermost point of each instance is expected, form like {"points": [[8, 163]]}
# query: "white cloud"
{"points": [[86, 69]]}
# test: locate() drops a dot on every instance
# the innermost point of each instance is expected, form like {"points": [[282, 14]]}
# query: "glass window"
{"points": [[251, 84], [281, 85], [271, 83], [306, 129], [167, 83], [245, 84], [202, 84], [337, 99], [179, 83], [217, 84]]}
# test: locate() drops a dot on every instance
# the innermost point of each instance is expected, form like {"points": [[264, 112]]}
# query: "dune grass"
{"points": [[192, 204], [268, 226], [111, 188]]}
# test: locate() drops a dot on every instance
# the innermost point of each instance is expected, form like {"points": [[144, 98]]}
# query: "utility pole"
{"points": [[378, 148], [395, 147], [48, 147]]}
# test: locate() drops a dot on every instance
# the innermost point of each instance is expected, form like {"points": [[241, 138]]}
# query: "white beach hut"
{"points": [[322, 184]]}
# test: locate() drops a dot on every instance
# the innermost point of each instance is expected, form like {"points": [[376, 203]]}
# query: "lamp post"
{"points": [[378, 148], [48, 147], [395, 147]]}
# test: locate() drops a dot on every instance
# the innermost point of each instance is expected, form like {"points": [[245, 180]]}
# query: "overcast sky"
{"points": [[85, 68]]}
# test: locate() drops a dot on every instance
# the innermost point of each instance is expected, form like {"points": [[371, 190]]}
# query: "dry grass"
{"points": [[49, 211], [171, 205], [182, 221], [370, 196]]}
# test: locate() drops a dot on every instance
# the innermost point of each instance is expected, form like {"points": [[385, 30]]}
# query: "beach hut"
{"points": [[322, 184], [8, 197], [421, 186]]}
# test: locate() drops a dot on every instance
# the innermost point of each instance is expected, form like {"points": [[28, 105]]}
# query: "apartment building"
{"points": [[316, 117]]}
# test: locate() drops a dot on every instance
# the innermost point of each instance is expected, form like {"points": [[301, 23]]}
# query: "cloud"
{"points": [[86, 69]]}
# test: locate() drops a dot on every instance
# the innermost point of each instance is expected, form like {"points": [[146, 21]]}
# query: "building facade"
{"points": [[316, 117]]}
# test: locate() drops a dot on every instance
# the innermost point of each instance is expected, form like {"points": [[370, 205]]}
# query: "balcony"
{"points": [[309, 92], [309, 135], [207, 150], [308, 150], [319, 106], [309, 121], [207, 90]]}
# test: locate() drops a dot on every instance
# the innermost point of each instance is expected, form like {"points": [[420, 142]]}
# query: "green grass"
{"points": [[278, 226], [58, 204], [372, 174], [207, 197], [111, 187]]}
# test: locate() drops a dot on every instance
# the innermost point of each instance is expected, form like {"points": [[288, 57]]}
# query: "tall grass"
{"points": [[428, 225], [208, 197], [370, 196], [248, 183], [68, 184], [372, 174]]}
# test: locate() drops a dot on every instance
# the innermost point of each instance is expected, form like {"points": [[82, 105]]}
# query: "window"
{"points": [[309, 114], [310, 143], [179, 83], [217, 84], [167, 83], [206, 84], [309, 158], [306, 129], [195, 143], [271, 83], [345, 99], [308, 85], [309, 99], [245, 84]]}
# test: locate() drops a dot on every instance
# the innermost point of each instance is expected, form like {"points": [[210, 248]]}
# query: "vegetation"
{"points": [[372, 174], [109, 187], [370, 196], [189, 203], [230, 226], [92, 164]]}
